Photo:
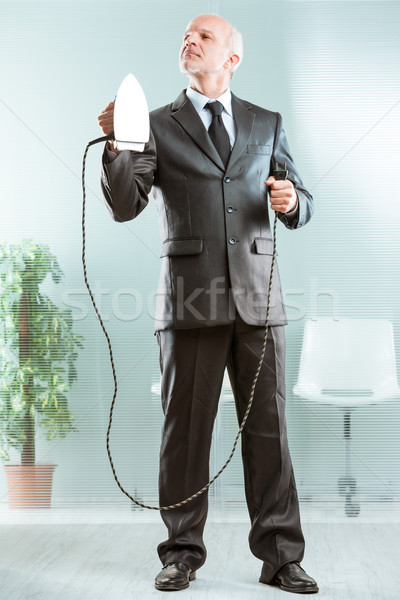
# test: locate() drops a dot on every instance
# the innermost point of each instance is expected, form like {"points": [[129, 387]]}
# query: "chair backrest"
{"points": [[353, 357]]}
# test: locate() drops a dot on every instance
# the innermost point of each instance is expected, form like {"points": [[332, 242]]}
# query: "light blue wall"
{"points": [[330, 68]]}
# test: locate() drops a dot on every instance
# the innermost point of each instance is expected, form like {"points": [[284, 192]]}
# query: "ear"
{"points": [[232, 61]]}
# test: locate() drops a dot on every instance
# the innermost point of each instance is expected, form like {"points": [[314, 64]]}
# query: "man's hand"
{"points": [[283, 197], [106, 122], [106, 119]]}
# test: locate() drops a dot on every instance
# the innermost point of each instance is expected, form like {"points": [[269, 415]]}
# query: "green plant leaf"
{"points": [[40, 383]]}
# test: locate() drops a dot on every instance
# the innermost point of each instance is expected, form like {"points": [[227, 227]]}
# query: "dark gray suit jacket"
{"points": [[217, 246]]}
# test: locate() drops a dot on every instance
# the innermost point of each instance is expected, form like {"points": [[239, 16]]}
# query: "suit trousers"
{"points": [[192, 364]]}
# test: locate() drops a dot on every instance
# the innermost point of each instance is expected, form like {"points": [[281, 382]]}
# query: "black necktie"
{"points": [[217, 131]]}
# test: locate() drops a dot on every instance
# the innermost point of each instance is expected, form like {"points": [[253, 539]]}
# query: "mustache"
{"points": [[189, 50]]}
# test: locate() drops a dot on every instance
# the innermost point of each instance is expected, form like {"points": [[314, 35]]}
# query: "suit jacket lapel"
{"points": [[244, 119], [184, 112], [186, 115]]}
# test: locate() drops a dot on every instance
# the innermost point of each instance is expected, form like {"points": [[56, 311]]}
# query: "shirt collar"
{"points": [[199, 100]]}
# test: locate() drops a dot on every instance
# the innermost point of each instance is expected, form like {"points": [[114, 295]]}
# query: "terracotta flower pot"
{"points": [[30, 487]]}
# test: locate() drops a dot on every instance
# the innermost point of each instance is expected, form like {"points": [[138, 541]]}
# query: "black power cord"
{"points": [[278, 174]]}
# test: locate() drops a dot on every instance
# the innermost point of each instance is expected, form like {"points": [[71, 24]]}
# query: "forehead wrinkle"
{"points": [[201, 30]]}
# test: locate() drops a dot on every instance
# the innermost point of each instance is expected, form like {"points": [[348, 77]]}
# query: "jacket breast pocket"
{"points": [[256, 149], [182, 247], [263, 246]]}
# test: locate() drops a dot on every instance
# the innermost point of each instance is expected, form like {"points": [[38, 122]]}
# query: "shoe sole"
{"points": [[304, 590], [173, 587]]}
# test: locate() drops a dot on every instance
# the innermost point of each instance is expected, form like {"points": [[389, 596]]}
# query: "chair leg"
{"points": [[347, 484]]}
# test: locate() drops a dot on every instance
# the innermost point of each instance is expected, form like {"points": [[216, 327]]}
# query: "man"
{"points": [[208, 161]]}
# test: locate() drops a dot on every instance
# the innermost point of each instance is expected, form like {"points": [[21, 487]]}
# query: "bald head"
{"points": [[215, 22], [208, 42]]}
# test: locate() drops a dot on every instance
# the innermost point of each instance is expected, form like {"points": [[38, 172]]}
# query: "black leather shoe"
{"points": [[293, 578], [174, 577]]}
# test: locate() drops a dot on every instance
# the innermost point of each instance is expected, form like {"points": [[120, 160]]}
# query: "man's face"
{"points": [[205, 46]]}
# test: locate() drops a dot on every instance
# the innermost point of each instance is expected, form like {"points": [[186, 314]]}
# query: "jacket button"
{"points": [[230, 209], [232, 240], [227, 179]]}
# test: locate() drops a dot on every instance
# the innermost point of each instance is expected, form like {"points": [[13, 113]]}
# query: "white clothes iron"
{"points": [[131, 116]]}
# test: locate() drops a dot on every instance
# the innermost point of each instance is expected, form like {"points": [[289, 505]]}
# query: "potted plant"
{"points": [[37, 355]]}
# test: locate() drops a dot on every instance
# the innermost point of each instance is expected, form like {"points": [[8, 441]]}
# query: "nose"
{"points": [[190, 40]]}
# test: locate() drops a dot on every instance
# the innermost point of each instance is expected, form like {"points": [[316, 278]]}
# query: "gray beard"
{"points": [[187, 70]]}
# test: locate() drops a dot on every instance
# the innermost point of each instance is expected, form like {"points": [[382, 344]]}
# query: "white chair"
{"points": [[348, 363]]}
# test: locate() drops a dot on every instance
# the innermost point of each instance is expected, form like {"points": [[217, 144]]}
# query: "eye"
{"points": [[205, 37]]}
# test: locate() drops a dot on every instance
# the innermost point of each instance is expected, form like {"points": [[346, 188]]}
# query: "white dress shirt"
{"points": [[199, 101]]}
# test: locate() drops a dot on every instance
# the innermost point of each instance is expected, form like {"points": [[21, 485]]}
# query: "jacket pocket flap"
{"points": [[182, 247], [264, 246], [256, 149]]}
